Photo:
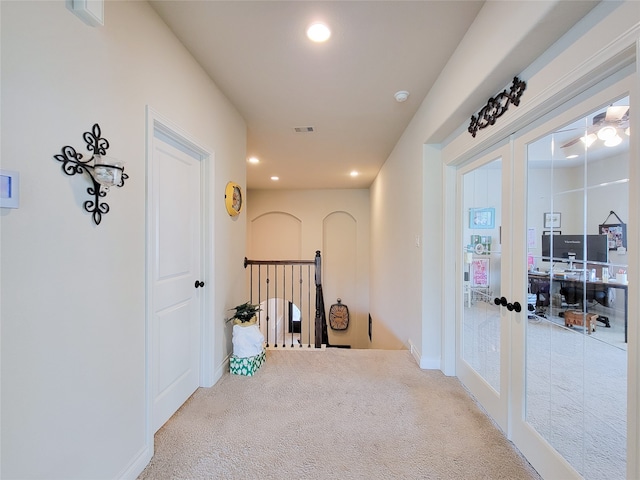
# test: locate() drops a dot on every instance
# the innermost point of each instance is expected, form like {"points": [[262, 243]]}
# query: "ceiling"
{"points": [[258, 55], [550, 150]]}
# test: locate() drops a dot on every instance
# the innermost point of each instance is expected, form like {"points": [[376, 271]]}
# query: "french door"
{"points": [[483, 341], [542, 337]]}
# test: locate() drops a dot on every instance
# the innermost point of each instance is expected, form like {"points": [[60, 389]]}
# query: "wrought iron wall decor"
{"points": [[497, 106], [105, 172]]}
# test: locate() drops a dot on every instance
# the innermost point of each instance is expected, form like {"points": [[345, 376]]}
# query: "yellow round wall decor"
{"points": [[233, 199]]}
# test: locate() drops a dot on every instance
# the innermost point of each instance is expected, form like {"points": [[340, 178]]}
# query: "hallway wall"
{"points": [[293, 224], [482, 65], [73, 293]]}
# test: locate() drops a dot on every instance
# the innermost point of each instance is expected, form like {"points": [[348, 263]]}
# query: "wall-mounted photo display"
{"points": [[616, 235], [616, 232], [480, 244], [552, 220], [480, 272], [482, 218]]}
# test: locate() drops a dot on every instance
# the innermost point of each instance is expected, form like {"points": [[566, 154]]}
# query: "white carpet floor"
{"points": [[343, 414]]}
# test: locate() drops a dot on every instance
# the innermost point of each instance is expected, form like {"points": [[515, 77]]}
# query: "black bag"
{"points": [[339, 316]]}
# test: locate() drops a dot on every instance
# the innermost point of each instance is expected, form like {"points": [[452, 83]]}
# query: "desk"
{"points": [[537, 281]]}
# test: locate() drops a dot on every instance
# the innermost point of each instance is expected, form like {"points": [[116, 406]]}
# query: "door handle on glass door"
{"points": [[500, 301], [514, 306]]}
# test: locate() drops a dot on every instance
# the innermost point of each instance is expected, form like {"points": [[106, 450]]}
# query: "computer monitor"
{"points": [[566, 246]]}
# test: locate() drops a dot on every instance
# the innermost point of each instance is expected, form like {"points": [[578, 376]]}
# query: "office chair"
{"points": [[572, 296], [540, 287]]}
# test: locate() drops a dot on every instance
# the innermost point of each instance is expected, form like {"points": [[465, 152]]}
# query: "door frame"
{"points": [[155, 121]]}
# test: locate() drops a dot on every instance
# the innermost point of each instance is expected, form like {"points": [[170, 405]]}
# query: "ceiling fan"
{"points": [[606, 126]]}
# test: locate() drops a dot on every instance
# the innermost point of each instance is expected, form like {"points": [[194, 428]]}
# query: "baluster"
{"points": [[275, 308], [273, 292], [267, 303], [300, 306]]}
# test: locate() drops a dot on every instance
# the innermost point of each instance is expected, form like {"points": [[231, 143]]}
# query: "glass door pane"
{"points": [[481, 337], [576, 350]]}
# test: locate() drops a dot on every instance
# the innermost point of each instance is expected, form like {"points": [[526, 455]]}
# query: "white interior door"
{"points": [[176, 298], [569, 383]]}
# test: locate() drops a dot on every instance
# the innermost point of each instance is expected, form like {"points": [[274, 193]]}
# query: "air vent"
{"points": [[304, 129]]}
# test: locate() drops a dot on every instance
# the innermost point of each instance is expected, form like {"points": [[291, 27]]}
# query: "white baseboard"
{"points": [[217, 374], [430, 363], [137, 464], [425, 363], [413, 350]]}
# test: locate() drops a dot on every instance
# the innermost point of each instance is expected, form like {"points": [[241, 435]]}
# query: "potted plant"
{"points": [[248, 342], [245, 314]]}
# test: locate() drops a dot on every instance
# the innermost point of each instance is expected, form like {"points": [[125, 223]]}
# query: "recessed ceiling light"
{"points": [[354, 173], [254, 160], [318, 32], [275, 178], [401, 96]]}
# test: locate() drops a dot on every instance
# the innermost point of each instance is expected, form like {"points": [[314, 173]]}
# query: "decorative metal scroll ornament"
{"points": [[497, 106], [104, 172]]}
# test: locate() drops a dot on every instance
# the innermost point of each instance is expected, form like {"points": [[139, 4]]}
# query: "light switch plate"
{"points": [[9, 189]]}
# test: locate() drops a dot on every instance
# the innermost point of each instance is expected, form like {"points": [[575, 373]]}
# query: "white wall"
{"points": [[73, 294], [336, 222], [611, 195], [397, 243], [407, 195]]}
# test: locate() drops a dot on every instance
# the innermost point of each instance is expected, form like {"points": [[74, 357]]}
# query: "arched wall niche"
{"points": [[276, 236]]}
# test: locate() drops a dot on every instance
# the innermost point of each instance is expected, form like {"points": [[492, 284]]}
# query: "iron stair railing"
{"points": [[283, 288]]}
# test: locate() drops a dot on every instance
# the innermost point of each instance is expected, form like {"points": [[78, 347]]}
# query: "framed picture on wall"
{"points": [[480, 272], [616, 234], [482, 217], [552, 220]]}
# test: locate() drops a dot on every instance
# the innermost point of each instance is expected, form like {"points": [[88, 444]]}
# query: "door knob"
{"points": [[199, 284], [514, 306], [500, 301]]}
